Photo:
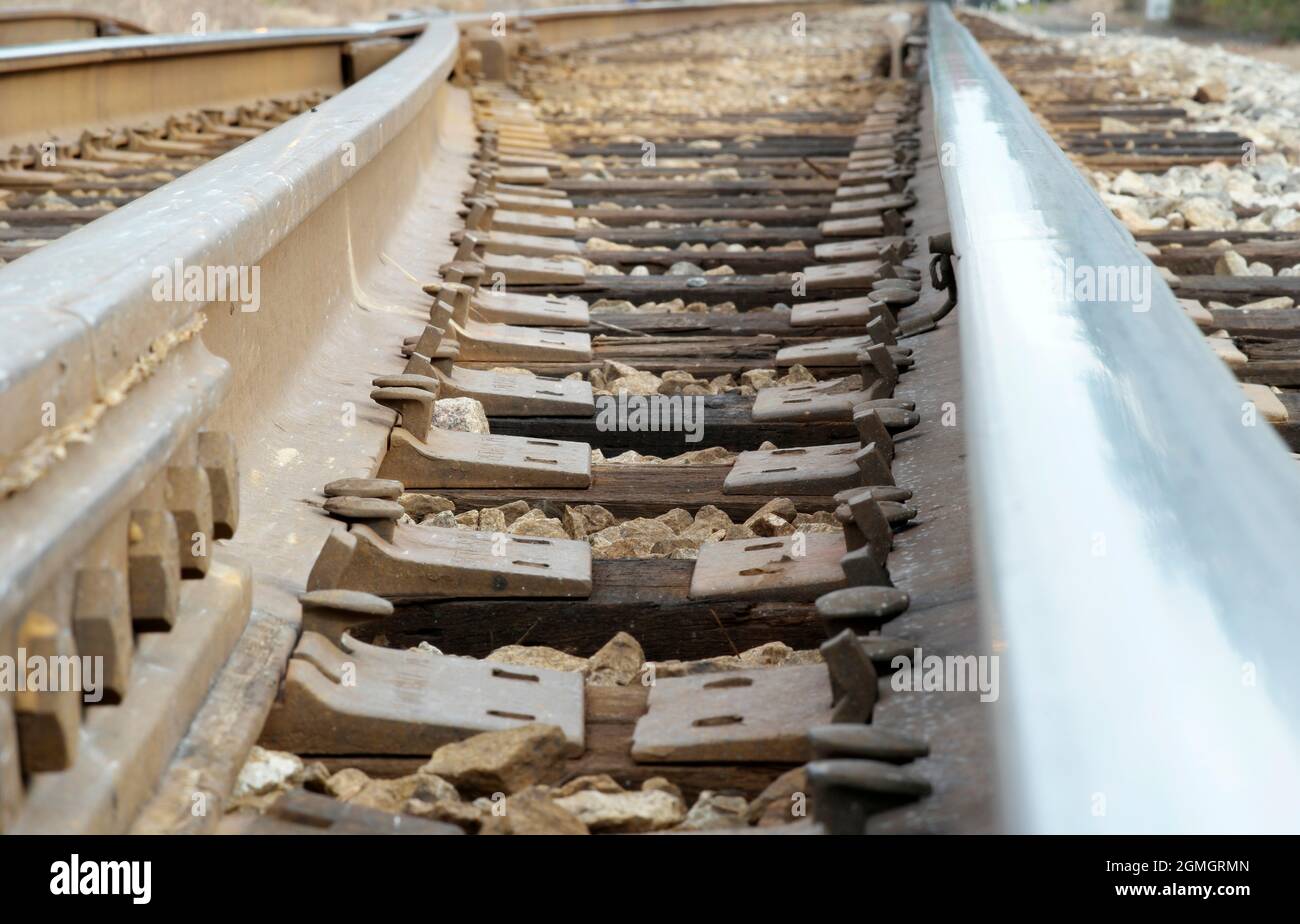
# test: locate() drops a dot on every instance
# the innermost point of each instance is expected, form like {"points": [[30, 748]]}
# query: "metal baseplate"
{"points": [[422, 456], [362, 699], [502, 394], [424, 562], [801, 566]]}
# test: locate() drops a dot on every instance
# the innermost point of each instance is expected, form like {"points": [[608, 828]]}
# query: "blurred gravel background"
{"points": [[173, 16]]}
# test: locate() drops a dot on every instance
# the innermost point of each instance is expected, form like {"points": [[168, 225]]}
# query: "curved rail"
{"points": [[1136, 527], [341, 211], [62, 89], [94, 50], [83, 311], [313, 208]]}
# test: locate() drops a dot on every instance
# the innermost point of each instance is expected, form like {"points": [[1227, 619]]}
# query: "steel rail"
{"points": [[340, 210], [315, 206], [75, 52], [134, 47], [58, 90], [80, 314], [1136, 526]]}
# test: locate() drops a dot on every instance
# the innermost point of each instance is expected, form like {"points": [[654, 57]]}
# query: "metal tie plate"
{"points": [[838, 351], [425, 562], [506, 395], [854, 275], [529, 223], [827, 400], [801, 566], [486, 342], [530, 310], [840, 312], [363, 699], [802, 470], [749, 716], [524, 271], [537, 205], [451, 459], [866, 189], [866, 248], [524, 245], [858, 208], [871, 226]]}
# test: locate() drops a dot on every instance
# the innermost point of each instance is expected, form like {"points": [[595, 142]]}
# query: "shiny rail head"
{"points": [[1136, 523]]}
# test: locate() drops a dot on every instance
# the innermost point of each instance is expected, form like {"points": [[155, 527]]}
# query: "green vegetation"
{"points": [[1278, 18]]}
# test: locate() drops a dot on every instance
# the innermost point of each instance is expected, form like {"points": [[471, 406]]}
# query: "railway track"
{"points": [[1106, 121], [52, 188], [494, 425]]}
